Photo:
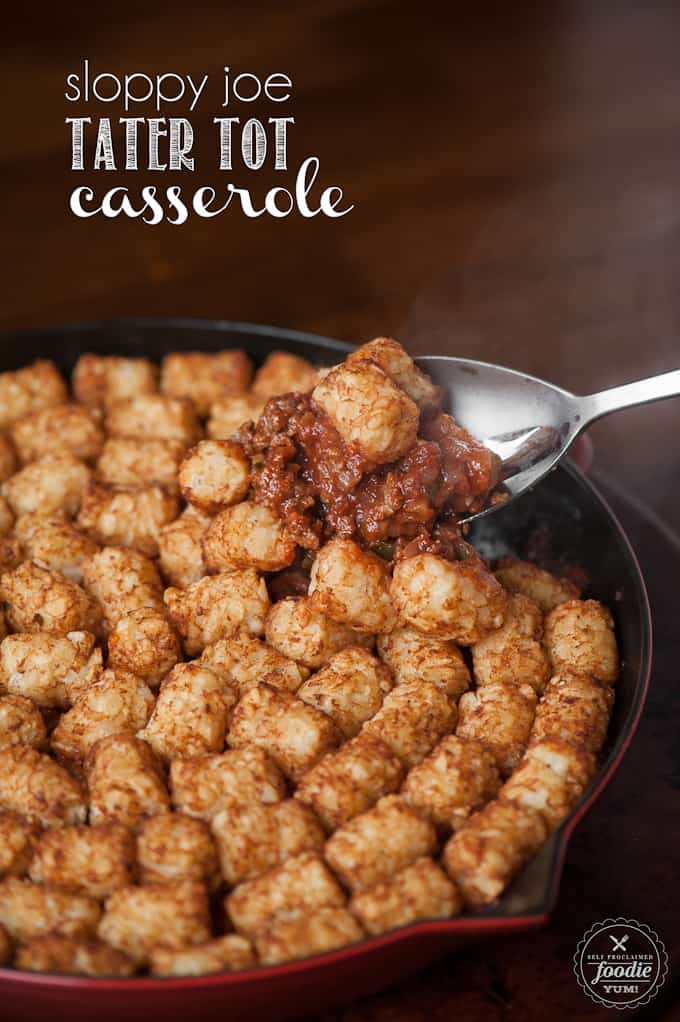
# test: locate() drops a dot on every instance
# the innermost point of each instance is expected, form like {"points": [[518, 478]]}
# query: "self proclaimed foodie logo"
{"points": [[620, 963]]}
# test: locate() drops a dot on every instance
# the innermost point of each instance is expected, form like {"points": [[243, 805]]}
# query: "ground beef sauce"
{"points": [[308, 476]]}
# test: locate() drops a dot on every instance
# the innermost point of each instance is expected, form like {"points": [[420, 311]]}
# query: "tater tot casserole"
{"points": [[260, 698]]}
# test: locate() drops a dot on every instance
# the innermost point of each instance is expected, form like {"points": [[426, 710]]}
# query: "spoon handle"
{"points": [[656, 388]]}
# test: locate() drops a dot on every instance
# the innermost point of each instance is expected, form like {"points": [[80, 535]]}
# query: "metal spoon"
{"points": [[529, 423]]}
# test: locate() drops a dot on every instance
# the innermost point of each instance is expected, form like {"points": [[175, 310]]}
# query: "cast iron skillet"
{"points": [[572, 521]]}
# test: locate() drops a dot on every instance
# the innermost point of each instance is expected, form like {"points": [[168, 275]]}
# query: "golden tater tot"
{"points": [[550, 779], [214, 475], [345, 783], [575, 708], [540, 586], [396, 363], [204, 785], [145, 643], [247, 535], [223, 954], [306, 933], [412, 719], [54, 483], [420, 891], [490, 848], [283, 373], [16, 845], [30, 389], [230, 413], [205, 377], [8, 458], [191, 713], [294, 734], [52, 670], [38, 600], [35, 787], [457, 778], [500, 717], [154, 415], [127, 516], [139, 920], [350, 689], [55, 430], [173, 847], [255, 838], [138, 462], [579, 636], [54, 542], [412, 656], [352, 586], [244, 662], [125, 781], [302, 633], [122, 581], [374, 846], [180, 546], [456, 600], [302, 884], [514, 652], [30, 910], [117, 703], [218, 606], [369, 412], [21, 723], [101, 379], [84, 860], [70, 957]]}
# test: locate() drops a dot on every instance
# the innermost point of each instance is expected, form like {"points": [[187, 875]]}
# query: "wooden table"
{"points": [[516, 186]]}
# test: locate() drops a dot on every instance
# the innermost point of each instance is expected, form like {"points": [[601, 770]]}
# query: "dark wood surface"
{"points": [[515, 175]]}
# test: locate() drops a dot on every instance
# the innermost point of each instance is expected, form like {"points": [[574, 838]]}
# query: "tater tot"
{"points": [[490, 848], [345, 783], [255, 838], [53, 483], [8, 458], [154, 415], [412, 656], [35, 787], [173, 847], [457, 778], [218, 606], [84, 860], [30, 910], [230, 413], [191, 713], [54, 542], [130, 516], [302, 633], [369, 412], [122, 581], [420, 891], [52, 670], [125, 782], [54, 430], [16, 845], [514, 652], [214, 475], [579, 636], [294, 734], [247, 535], [38, 600], [374, 846], [540, 586], [283, 373], [70, 957], [456, 600], [145, 643], [306, 933], [244, 662], [28, 390], [117, 703], [396, 363], [137, 462], [138, 920], [21, 723], [350, 689], [550, 779], [352, 586], [205, 785], [301, 884], [575, 708], [101, 379], [204, 376], [180, 546], [412, 719], [6, 517], [500, 717], [223, 954]]}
